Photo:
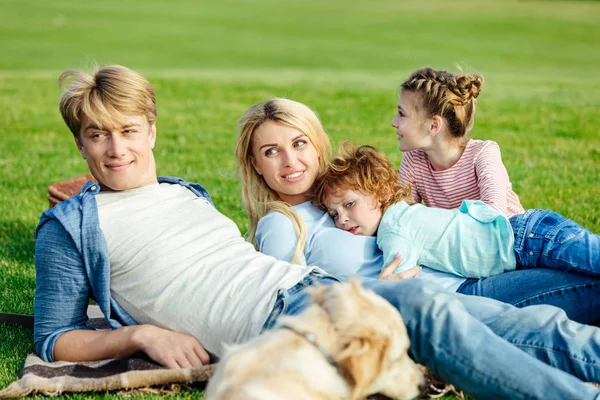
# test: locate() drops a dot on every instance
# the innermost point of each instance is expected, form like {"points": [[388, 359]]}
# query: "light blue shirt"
{"points": [[336, 251], [474, 241]]}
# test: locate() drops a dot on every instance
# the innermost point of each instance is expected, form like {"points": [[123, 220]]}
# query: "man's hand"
{"points": [[387, 273], [168, 348], [172, 349]]}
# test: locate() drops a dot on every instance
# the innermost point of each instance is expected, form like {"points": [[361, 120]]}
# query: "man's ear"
{"points": [[435, 125], [80, 147], [254, 165], [153, 135]]}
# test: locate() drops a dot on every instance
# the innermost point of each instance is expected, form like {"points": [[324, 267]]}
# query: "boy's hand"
{"points": [[387, 273]]}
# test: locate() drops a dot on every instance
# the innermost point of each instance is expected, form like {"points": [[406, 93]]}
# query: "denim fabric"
{"points": [[578, 295], [72, 264], [545, 239], [460, 338], [295, 299]]}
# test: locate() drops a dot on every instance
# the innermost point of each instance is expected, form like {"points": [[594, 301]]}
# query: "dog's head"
{"points": [[372, 341]]}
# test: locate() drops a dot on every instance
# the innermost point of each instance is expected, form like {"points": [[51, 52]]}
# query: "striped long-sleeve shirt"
{"points": [[479, 174]]}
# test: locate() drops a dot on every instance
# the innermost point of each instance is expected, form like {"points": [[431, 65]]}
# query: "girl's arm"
{"points": [[407, 176], [492, 178], [276, 236]]}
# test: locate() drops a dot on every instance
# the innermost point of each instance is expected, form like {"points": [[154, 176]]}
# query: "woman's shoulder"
{"points": [[308, 212]]}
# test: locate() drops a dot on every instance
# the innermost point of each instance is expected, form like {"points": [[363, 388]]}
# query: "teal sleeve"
{"points": [[276, 236], [392, 243]]}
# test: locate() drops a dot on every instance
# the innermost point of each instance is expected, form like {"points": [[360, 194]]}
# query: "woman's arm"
{"points": [[276, 236]]}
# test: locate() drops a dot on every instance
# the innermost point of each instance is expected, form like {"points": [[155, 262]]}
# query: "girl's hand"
{"points": [[387, 273]]}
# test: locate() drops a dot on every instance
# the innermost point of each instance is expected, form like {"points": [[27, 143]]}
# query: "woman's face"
{"points": [[287, 159]]}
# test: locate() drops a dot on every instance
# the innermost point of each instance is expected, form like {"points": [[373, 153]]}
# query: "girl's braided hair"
{"points": [[453, 97]]}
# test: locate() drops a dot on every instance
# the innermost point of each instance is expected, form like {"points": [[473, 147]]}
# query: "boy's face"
{"points": [[355, 212], [120, 156]]}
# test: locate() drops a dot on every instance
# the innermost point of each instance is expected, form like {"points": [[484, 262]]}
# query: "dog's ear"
{"points": [[362, 357]]}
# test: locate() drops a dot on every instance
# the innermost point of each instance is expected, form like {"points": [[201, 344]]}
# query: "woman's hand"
{"points": [[387, 273]]}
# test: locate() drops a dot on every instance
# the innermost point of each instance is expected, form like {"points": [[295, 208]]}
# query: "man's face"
{"points": [[355, 212], [120, 156]]}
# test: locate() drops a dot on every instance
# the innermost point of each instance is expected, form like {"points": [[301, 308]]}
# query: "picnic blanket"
{"points": [[39, 377], [128, 374]]}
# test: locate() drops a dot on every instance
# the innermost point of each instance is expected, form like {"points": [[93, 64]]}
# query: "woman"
{"points": [[282, 149]]}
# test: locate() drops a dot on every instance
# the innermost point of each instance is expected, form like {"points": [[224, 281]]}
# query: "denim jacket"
{"points": [[72, 265]]}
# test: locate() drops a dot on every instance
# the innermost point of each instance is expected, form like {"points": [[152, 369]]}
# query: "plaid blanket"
{"points": [[134, 373], [55, 378]]}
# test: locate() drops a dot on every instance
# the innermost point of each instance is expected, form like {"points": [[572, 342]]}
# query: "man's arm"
{"points": [[168, 348], [61, 300]]}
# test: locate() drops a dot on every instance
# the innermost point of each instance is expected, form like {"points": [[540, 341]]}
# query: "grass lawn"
{"points": [[210, 60]]}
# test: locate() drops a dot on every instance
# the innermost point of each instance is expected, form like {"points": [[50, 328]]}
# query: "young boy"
{"points": [[361, 190]]}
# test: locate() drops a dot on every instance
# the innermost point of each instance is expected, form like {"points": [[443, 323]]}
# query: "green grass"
{"points": [[210, 60]]}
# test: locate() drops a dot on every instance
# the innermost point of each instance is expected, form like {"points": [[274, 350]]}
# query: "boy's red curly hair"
{"points": [[364, 169]]}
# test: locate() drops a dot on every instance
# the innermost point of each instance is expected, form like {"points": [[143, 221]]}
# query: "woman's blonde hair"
{"points": [[104, 94], [453, 97], [364, 169], [257, 196]]}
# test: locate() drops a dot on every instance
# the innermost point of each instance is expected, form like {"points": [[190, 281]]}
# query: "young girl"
{"points": [[361, 191], [436, 111]]}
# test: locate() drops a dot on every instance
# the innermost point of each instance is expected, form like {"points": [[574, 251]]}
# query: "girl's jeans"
{"points": [[545, 239], [487, 348]]}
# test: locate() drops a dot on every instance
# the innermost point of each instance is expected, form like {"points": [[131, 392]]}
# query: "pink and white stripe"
{"points": [[479, 174]]}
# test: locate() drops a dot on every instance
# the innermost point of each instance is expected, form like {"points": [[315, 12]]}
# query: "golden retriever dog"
{"points": [[348, 344]]}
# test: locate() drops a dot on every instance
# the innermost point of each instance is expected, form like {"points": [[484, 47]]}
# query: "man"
{"points": [[167, 270]]}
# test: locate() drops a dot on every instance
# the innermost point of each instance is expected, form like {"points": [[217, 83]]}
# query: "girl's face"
{"points": [[286, 159], [355, 212], [411, 124]]}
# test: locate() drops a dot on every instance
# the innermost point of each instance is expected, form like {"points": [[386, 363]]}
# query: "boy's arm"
{"points": [[407, 176], [394, 244], [276, 236], [492, 178], [60, 313], [388, 274]]}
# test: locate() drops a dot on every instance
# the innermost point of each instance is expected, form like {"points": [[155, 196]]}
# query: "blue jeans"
{"points": [[545, 239], [487, 348], [578, 295]]}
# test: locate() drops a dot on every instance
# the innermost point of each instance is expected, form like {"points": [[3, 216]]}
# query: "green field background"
{"points": [[210, 60]]}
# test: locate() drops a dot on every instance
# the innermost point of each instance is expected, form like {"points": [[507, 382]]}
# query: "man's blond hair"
{"points": [[104, 95]]}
